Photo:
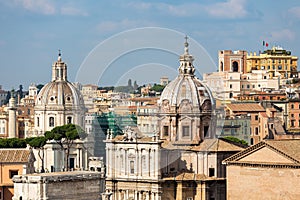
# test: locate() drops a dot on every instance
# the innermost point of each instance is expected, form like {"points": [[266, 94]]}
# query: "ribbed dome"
{"points": [[59, 102], [186, 87], [61, 94]]}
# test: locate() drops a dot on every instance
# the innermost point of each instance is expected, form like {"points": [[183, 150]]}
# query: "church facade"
{"points": [[183, 159], [58, 103]]}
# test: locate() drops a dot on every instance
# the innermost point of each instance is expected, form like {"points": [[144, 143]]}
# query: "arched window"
{"points": [[69, 120], [235, 66], [221, 67], [51, 121]]}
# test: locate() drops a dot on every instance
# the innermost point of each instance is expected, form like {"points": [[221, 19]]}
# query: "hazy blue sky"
{"points": [[32, 31]]}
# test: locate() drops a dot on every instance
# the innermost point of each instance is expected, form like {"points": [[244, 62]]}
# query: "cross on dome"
{"points": [[59, 55], [186, 45]]}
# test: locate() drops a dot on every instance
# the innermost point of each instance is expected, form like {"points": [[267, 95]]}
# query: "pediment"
{"points": [[265, 155]]}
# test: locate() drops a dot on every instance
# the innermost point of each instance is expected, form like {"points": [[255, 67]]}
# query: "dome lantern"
{"points": [[186, 61]]}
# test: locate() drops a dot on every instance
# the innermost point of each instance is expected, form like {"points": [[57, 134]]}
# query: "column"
{"points": [[108, 159], [198, 190], [203, 187], [152, 196], [147, 195], [125, 164], [78, 163], [154, 162], [149, 162], [137, 161], [179, 191], [141, 162]]}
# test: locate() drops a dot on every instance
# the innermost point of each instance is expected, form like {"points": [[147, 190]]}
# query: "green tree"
{"points": [[12, 143], [157, 88], [65, 136], [237, 140], [38, 143]]}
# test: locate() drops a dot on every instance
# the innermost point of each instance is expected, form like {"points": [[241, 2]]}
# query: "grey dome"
{"points": [[59, 93], [186, 87]]}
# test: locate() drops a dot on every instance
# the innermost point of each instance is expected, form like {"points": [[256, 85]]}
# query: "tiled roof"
{"points": [[211, 145], [14, 155], [288, 148], [185, 176], [264, 115], [245, 107], [214, 145]]}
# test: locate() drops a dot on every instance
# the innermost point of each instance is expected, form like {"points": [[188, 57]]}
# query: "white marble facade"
{"points": [[58, 103]]}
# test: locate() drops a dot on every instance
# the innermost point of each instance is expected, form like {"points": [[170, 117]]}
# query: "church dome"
{"points": [[59, 92], [186, 87], [59, 102]]}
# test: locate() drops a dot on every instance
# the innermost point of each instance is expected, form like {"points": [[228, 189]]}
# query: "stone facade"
{"points": [[133, 168], [58, 103], [76, 185], [182, 159], [270, 168]]}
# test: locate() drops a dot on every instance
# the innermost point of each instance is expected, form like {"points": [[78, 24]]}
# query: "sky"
{"points": [[140, 40]]}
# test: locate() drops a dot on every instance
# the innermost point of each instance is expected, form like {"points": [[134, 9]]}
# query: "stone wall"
{"points": [[245, 182], [77, 185]]}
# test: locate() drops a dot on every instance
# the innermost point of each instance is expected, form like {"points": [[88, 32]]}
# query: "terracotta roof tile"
{"points": [[245, 107], [14, 155], [288, 147], [186, 176], [217, 145]]}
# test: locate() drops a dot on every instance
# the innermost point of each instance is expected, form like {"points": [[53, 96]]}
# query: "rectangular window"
{"points": [[206, 131], [256, 130], [12, 173], [131, 167], [292, 123], [51, 121], [211, 172], [230, 85], [185, 131], [166, 130], [256, 117]]}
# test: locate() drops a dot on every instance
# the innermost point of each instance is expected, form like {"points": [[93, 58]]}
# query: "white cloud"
{"points": [[110, 26], [140, 5], [38, 6], [183, 10], [282, 35], [295, 11], [230, 9], [2, 43], [68, 10]]}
